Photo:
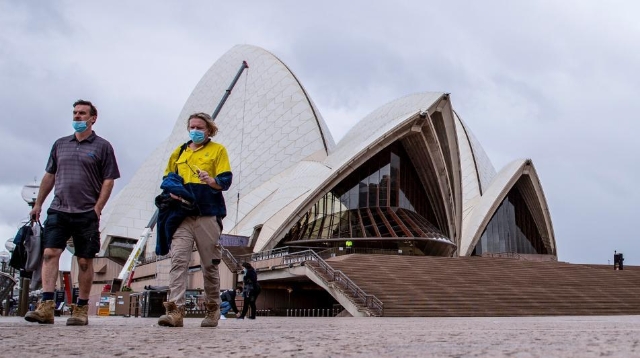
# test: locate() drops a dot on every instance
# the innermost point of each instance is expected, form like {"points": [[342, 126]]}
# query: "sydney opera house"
{"points": [[410, 174], [409, 180]]}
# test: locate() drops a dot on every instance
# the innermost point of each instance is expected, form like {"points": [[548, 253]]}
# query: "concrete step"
{"points": [[474, 286]]}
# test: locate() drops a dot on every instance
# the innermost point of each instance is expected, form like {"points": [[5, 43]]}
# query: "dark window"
{"points": [[381, 198], [511, 229]]}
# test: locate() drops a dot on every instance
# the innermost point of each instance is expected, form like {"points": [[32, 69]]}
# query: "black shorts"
{"points": [[83, 227]]}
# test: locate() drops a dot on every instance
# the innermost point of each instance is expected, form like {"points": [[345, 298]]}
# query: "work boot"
{"points": [[173, 317], [43, 314], [212, 316], [79, 316]]}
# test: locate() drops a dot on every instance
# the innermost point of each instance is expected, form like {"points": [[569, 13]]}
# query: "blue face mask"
{"points": [[79, 126], [197, 136]]}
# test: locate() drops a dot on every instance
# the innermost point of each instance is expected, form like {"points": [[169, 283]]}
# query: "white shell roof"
{"points": [[485, 206], [379, 124], [498, 189], [283, 157], [475, 167], [268, 124], [313, 181], [129, 212]]}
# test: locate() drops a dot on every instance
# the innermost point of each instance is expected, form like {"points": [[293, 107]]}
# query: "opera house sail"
{"points": [[409, 177]]}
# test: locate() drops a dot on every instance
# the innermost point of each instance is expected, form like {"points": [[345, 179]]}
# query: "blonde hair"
{"points": [[211, 126]]}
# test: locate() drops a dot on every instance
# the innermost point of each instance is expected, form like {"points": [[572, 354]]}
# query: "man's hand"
{"points": [[34, 214], [98, 211]]}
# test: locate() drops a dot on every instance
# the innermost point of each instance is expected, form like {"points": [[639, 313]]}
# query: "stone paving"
{"points": [[610, 336]]}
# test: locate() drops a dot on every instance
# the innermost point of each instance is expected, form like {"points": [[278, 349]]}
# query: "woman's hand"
{"points": [[204, 177]]}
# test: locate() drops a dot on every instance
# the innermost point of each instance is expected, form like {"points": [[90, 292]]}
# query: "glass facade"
{"points": [[383, 198], [511, 229]]}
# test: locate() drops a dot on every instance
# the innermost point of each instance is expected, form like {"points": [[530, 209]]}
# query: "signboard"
{"points": [[234, 240], [103, 306]]}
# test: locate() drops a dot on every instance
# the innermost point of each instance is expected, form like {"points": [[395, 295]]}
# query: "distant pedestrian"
{"points": [[250, 291], [228, 302]]}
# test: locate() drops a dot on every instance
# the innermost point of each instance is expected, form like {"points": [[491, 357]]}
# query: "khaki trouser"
{"points": [[205, 232]]}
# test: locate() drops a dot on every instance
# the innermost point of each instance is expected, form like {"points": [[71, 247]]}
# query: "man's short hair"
{"points": [[93, 111]]}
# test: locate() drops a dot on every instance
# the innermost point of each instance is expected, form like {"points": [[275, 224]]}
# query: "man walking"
{"points": [[83, 168]]}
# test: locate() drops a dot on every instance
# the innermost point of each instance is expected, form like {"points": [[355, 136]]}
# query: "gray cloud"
{"points": [[551, 81]]}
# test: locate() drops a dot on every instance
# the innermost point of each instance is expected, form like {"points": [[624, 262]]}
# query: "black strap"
{"points": [[182, 148]]}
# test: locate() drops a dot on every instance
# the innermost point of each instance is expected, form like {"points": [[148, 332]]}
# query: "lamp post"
{"points": [[9, 245], [29, 194]]}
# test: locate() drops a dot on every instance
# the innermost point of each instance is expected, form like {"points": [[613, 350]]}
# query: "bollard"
{"points": [[23, 303]]}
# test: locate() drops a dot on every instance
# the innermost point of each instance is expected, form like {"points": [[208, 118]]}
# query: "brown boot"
{"points": [[79, 316], [213, 315], [43, 314], [173, 317]]}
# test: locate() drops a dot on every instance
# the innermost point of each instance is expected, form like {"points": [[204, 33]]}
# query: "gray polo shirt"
{"points": [[80, 169]]}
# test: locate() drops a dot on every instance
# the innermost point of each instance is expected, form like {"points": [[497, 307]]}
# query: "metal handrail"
{"points": [[152, 258], [371, 302], [226, 253], [363, 250], [287, 250], [266, 255]]}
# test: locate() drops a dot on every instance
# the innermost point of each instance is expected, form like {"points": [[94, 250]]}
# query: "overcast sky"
{"points": [[552, 81]]}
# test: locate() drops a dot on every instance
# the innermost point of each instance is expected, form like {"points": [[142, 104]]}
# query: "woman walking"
{"points": [[250, 291]]}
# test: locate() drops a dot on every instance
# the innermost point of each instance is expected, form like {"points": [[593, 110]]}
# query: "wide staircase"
{"points": [[412, 286]]}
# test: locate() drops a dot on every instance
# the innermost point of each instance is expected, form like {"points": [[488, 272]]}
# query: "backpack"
{"points": [[34, 248], [19, 256], [27, 254]]}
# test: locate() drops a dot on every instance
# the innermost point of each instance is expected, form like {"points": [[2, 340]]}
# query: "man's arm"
{"points": [[105, 193], [48, 181], [234, 308]]}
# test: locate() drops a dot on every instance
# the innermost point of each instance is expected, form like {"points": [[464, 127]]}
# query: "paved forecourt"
{"points": [[612, 336]]}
